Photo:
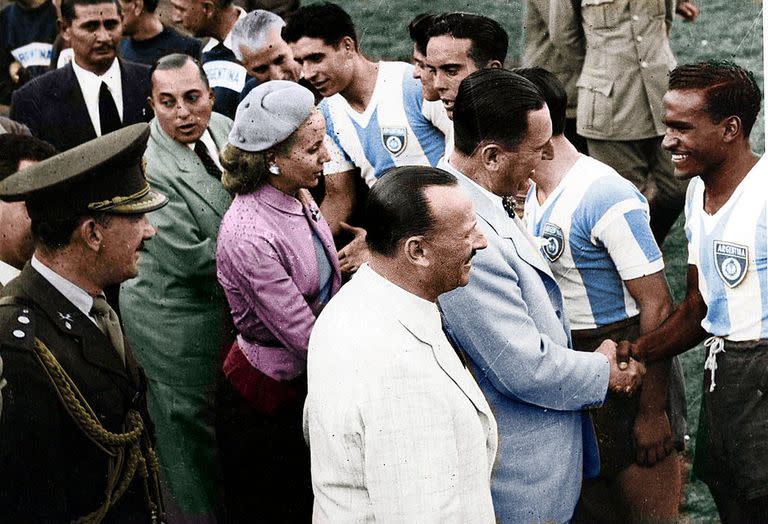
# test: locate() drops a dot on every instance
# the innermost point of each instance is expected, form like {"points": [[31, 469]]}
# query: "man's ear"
{"points": [[731, 128], [209, 8], [346, 44], [90, 234], [490, 154], [413, 248], [494, 64], [64, 30]]}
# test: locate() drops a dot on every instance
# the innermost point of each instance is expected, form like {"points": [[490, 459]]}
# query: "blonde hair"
{"points": [[246, 171]]}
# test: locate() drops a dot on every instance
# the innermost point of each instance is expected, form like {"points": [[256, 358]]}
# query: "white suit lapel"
{"points": [[449, 362]]}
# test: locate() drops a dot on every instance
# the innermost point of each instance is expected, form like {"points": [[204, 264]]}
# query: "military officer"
{"points": [[75, 440]]}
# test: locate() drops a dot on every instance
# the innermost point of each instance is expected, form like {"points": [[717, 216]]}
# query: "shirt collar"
{"points": [[111, 77], [276, 199], [7, 272], [75, 294], [207, 140], [406, 303], [494, 198], [212, 42]]}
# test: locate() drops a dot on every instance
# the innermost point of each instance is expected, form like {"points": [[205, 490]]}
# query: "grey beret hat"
{"points": [[269, 114]]}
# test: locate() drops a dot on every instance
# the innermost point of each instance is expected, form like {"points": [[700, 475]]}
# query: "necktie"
{"points": [[108, 115], [208, 163], [509, 204], [107, 320]]}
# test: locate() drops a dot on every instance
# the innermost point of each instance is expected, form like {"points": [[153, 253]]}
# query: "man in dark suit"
{"points": [[73, 424], [96, 93]]}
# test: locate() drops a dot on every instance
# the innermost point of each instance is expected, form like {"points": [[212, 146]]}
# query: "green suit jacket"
{"points": [[174, 312]]}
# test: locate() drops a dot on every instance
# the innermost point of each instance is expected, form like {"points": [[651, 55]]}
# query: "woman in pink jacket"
{"points": [[277, 263]]}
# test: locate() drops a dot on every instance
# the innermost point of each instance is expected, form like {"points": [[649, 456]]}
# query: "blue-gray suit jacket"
{"points": [[510, 321]]}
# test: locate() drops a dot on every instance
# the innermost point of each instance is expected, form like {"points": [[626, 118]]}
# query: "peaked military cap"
{"points": [[103, 175]]}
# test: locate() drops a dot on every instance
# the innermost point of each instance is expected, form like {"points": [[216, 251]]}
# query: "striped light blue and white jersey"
{"points": [[392, 131], [730, 251], [595, 233]]}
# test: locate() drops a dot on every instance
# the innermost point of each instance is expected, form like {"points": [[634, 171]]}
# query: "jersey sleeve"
{"points": [[625, 231], [435, 112], [340, 161]]}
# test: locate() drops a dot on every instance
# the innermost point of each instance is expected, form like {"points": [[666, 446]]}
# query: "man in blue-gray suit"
{"points": [[510, 319]]}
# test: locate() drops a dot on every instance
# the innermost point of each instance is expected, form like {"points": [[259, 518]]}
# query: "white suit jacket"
{"points": [[397, 427]]}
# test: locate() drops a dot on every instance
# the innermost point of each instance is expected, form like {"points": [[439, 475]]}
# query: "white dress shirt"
{"points": [[81, 299], [210, 145], [90, 84]]}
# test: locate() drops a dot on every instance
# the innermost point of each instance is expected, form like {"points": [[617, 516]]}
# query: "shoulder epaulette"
{"points": [[17, 324]]}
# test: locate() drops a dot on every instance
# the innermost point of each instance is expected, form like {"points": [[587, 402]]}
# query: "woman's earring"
{"points": [[274, 169]]}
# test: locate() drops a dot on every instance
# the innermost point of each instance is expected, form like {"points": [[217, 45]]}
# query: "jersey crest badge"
{"points": [[731, 261], [554, 241], [394, 139]]}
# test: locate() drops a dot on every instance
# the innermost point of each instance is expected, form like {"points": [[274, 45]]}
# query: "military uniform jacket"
{"points": [[625, 70], [49, 470], [538, 50]]}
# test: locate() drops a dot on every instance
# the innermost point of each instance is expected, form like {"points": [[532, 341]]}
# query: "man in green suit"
{"points": [[175, 312]]}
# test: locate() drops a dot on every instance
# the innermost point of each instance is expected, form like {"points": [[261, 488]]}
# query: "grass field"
{"points": [[726, 29]]}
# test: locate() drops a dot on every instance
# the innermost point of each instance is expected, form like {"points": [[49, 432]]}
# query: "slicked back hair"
{"points": [[15, 148], [729, 90], [177, 61], [326, 21], [67, 8], [489, 40], [492, 105], [251, 30], [553, 92], [397, 206], [418, 30]]}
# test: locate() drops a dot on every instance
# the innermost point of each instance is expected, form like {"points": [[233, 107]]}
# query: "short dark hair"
{"points": [[553, 92], [729, 89], [67, 7], [150, 6], [177, 61], [55, 234], [326, 21], [397, 206], [15, 148], [489, 40], [419, 28], [493, 105]]}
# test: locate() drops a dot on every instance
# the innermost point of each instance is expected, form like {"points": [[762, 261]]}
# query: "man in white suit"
{"points": [[510, 318], [398, 429]]}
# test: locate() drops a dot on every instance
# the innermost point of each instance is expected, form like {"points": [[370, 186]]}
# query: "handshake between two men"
{"points": [[626, 372]]}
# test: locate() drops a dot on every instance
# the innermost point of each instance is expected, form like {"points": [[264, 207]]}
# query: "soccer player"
{"points": [[374, 111], [595, 232], [709, 111]]}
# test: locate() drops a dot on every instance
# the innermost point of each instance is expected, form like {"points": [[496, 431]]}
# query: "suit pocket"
{"points": [[595, 107], [602, 14]]}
